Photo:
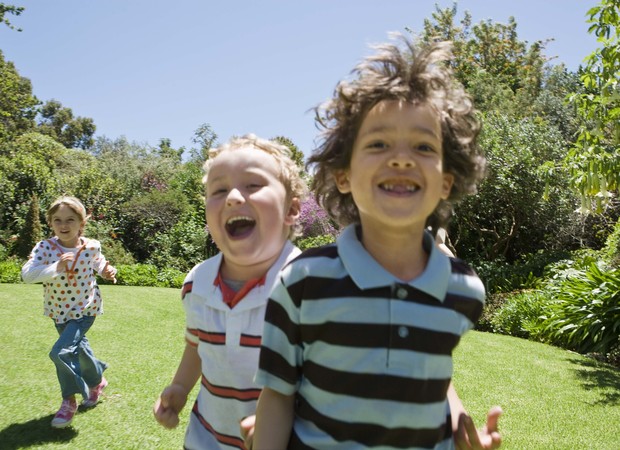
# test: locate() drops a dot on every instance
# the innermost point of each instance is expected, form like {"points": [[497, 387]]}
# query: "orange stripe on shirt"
{"points": [[211, 338], [223, 438], [250, 341], [243, 395]]}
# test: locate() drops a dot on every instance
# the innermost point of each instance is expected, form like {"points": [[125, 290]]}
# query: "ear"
{"points": [[342, 181], [293, 212], [446, 188]]}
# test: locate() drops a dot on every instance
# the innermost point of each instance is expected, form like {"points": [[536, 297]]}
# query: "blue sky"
{"points": [[151, 69]]}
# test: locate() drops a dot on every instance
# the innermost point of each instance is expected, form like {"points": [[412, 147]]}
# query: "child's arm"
{"points": [[274, 420], [173, 398], [466, 436], [35, 271]]}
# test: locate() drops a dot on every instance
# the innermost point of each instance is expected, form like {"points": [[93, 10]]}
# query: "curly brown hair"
{"points": [[416, 73]]}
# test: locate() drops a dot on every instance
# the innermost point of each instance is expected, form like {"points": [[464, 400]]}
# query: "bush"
{"points": [[148, 275], [584, 314], [519, 313], [314, 241], [611, 252], [500, 276], [10, 271]]}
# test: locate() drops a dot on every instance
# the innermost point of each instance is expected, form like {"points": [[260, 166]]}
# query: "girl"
{"points": [[66, 265]]}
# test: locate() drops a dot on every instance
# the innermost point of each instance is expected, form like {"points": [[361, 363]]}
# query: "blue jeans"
{"points": [[76, 365]]}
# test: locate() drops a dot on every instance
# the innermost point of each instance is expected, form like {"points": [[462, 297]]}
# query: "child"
{"points": [[253, 192], [358, 337], [66, 265]]}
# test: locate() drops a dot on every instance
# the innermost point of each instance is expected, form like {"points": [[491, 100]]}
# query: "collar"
{"points": [[367, 273]]}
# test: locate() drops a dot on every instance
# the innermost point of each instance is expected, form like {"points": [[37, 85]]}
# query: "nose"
{"points": [[234, 197], [401, 158]]}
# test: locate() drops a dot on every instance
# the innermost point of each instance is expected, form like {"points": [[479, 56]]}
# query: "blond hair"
{"points": [[289, 173], [72, 202]]}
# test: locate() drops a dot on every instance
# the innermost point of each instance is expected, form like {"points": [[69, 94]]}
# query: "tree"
{"points": [[31, 230], [17, 103], [27, 168], [296, 154], [206, 138], [594, 160], [58, 122], [493, 48], [9, 9]]}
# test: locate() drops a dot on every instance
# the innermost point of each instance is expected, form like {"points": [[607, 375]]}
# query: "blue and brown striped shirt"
{"points": [[368, 356]]}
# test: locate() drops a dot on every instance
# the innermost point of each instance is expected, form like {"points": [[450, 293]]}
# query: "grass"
{"points": [[552, 399]]}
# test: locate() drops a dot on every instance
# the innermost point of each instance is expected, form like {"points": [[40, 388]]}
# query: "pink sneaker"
{"points": [[65, 414], [95, 393]]}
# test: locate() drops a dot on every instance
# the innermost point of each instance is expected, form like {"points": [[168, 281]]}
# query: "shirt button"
{"points": [[403, 331], [401, 293]]}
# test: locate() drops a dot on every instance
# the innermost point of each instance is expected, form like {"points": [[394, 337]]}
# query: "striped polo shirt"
{"points": [[368, 356], [228, 343]]}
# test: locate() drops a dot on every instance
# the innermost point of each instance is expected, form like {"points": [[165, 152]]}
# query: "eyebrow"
{"points": [[413, 129]]}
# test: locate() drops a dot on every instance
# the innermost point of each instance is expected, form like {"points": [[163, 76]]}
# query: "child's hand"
{"points": [[109, 273], [488, 438], [169, 405], [247, 430], [63, 263]]}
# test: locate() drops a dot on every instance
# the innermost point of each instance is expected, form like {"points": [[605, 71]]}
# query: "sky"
{"points": [[152, 69]]}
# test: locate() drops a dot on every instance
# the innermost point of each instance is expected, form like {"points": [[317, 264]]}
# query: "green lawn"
{"points": [[552, 399]]}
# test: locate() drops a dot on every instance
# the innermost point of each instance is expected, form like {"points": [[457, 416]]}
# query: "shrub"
{"points": [[10, 271], [519, 313], [136, 275], [611, 252], [584, 313], [314, 241], [147, 275]]}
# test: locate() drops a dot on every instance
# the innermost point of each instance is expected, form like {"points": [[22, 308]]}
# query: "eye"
{"points": [[215, 191], [425, 148], [377, 145]]}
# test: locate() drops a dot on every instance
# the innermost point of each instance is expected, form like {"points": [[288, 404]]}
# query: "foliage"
{"points": [[9, 9], [611, 252], [296, 154], [314, 241], [491, 48], [10, 271], [518, 313], [206, 138], [17, 103], [584, 310], [516, 210], [148, 275], [594, 160], [31, 230], [183, 246], [26, 169], [314, 221], [526, 273], [58, 122], [147, 216]]}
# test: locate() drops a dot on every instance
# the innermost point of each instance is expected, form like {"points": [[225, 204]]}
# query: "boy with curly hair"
{"points": [[358, 340]]}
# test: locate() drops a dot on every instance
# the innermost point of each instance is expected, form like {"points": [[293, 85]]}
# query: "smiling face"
{"points": [[396, 173], [67, 226], [248, 211]]}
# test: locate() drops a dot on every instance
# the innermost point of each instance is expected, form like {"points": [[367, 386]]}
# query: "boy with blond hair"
{"points": [[358, 340], [253, 192]]}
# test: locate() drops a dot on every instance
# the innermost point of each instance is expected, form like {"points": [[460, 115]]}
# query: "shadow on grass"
{"points": [[604, 378], [33, 433]]}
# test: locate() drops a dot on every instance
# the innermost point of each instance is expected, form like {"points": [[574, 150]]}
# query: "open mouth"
{"points": [[240, 226], [399, 188]]}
